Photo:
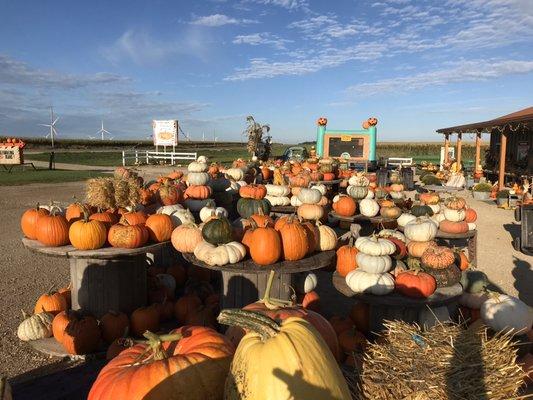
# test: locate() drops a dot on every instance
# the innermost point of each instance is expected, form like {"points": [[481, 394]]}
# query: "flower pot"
{"points": [[481, 195]]}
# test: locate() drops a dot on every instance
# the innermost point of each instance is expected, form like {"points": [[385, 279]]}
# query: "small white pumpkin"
{"points": [[438, 218], [197, 178], [454, 215], [473, 300], [210, 209], [396, 195], [373, 264], [471, 226], [36, 326], [327, 238], [370, 195], [229, 253], [504, 312], [360, 281], [236, 174], [169, 209], [179, 216], [321, 188], [295, 202], [421, 230], [358, 179], [368, 207], [197, 166], [404, 219], [357, 192], [277, 190], [309, 196], [278, 201], [306, 282], [375, 246], [434, 207], [386, 233]]}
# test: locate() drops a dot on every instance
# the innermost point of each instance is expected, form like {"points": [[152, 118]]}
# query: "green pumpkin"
{"points": [[248, 207], [444, 277], [420, 210], [217, 231], [474, 281], [380, 193]]}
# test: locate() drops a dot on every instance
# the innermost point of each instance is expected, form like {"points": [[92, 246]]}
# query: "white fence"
{"points": [[400, 162], [148, 157]]}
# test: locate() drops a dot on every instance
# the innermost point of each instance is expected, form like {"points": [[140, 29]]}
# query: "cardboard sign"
{"points": [[346, 138], [10, 155], [165, 132]]}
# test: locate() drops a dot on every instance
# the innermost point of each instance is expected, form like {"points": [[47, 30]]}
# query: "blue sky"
{"points": [[415, 65]]}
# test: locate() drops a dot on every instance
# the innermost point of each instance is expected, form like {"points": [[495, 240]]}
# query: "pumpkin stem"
{"points": [[272, 303], [155, 344], [261, 324], [24, 314]]}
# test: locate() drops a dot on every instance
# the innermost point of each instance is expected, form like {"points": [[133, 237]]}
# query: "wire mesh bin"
{"points": [[382, 177], [408, 178], [524, 241]]}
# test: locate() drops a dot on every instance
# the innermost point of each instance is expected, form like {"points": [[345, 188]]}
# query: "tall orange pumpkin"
{"points": [[85, 234], [294, 240], [159, 227], [346, 258], [28, 221], [190, 363], [345, 206], [81, 336], [52, 230], [265, 245]]}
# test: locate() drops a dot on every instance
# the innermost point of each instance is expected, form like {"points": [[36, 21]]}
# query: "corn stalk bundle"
{"points": [[126, 192], [443, 363], [100, 193]]}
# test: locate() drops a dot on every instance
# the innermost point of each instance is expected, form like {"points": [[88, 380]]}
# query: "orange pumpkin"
{"points": [[60, 322], [416, 249], [52, 230], [266, 173], [345, 206], [265, 245], [300, 180], [313, 236], [372, 121], [74, 212], [415, 284], [470, 215], [429, 198], [322, 121], [346, 259], [66, 293], [52, 302], [185, 306], [106, 217], [463, 261], [159, 227], [81, 336], [146, 197], [114, 325], [175, 175], [437, 257], [28, 221], [144, 319], [453, 227], [253, 191], [134, 218], [294, 240], [311, 301], [127, 236], [328, 176], [199, 192], [85, 234]]}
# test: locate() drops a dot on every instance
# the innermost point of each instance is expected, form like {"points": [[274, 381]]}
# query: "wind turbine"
{"points": [[53, 132], [102, 131]]}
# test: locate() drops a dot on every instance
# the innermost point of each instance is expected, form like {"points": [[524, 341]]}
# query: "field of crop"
{"points": [[19, 177]]}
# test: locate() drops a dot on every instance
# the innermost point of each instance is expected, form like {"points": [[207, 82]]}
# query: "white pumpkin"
{"points": [[295, 202], [179, 216], [309, 196], [375, 246], [167, 281], [404, 219], [454, 215], [438, 218], [421, 230], [358, 179], [370, 195], [236, 174], [278, 201], [195, 205], [369, 207], [327, 238], [357, 192], [310, 212], [434, 207], [210, 210], [473, 300], [360, 281], [386, 233], [197, 178], [229, 253], [306, 282], [321, 188], [36, 326], [196, 166], [277, 190], [396, 195], [504, 312], [373, 264], [471, 226], [169, 209], [202, 159]]}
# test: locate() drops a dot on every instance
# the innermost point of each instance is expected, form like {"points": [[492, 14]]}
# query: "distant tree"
{"points": [[255, 131]]}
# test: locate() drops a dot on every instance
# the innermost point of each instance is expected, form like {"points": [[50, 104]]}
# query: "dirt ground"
{"points": [[26, 275]]}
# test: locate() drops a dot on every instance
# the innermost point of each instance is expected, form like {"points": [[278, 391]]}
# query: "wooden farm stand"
{"points": [[245, 282], [396, 306], [377, 221], [282, 210], [470, 237]]}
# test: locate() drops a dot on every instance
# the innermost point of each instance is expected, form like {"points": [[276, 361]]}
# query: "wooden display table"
{"points": [[377, 221], [327, 183], [105, 279], [245, 282], [277, 210], [396, 306], [470, 237]]}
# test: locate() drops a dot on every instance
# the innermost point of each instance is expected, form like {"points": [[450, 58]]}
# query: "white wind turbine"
{"points": [[52, 125], [103, 132]]}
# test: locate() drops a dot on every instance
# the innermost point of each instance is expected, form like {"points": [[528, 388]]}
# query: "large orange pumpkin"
{"points": [[144, 319], [107, 217], [81, 336], [127, 236], [453, 227], [28, 221], [345, 206], [114, 325], [199, 192], [52, 230], [190, 363], [169, 194], [60, 322], [438, 257], [85, 234], [313, 236], [294, 240], [415, 284], [134, 218], [265, 245], [74, 212], [159, 227], [346, 259], [253, 191], [52, 302]]}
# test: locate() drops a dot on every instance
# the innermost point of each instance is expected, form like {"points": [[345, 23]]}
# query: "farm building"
{"points": [[510, 154]]}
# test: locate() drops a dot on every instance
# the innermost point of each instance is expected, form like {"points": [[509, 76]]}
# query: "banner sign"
{"points": [[165, 132], [10, 154]]}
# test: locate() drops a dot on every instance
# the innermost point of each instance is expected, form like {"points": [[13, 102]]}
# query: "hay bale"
{"points": [[444, 362], [100, 193]]}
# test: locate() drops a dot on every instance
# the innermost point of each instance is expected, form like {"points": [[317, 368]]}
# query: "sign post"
{"points": [[165, 133]]}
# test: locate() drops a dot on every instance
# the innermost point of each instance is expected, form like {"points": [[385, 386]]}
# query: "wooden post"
{"points": [[503, 152], [446, 145], [478, 150], [459, 148]]}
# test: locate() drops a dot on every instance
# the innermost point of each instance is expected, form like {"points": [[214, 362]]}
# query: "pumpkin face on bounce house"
{"points": [[322, 121]]}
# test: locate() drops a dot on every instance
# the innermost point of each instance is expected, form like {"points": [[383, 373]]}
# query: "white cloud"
{"points": [[263, 38], [327, 27], [288, 4], [216, 20], [464, 71]]}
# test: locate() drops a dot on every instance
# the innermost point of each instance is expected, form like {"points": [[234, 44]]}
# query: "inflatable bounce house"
{"points": [[356, 146]]}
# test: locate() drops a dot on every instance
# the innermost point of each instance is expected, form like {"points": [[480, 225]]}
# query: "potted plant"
{"points": [[481, 191], [502, 197]]}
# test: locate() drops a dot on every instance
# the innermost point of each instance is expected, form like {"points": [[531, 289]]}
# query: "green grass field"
{"points": [[19, 177]]}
